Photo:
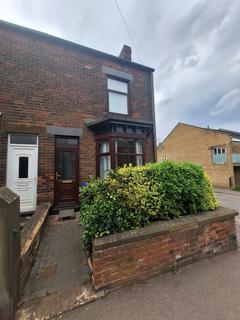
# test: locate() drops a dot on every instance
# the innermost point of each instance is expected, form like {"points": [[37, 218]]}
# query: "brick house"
{"points": [[68, 112], [218, 151]]}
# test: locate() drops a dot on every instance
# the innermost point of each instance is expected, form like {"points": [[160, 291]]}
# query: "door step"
{"points": [[66, 214]]}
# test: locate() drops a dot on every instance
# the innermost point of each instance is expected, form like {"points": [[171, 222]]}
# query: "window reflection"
{"points": [[125, 152], [66, 165]]}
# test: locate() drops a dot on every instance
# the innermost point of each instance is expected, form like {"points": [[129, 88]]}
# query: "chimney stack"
{"points": [[126, 53]]}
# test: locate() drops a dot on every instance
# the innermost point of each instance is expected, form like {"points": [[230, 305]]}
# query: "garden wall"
{"points": [[161, 247], [30, 239]]}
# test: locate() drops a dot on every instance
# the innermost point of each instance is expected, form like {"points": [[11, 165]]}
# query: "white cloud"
{"points": [[230, 102]]}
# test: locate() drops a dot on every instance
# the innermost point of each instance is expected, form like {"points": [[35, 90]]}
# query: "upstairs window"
{"points": [[117, 96], [219, 155], [236, 157]]}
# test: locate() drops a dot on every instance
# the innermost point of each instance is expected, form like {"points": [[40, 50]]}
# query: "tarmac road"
{"points": [[231, 201]]}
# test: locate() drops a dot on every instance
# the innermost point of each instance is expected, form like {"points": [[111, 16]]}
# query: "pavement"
{"points": [[227, 191], [60, 278], [61, 262], [209, 289]]}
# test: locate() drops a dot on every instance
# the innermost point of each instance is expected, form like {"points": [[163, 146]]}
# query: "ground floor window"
{"points": [[116, 152], [104, 158]]}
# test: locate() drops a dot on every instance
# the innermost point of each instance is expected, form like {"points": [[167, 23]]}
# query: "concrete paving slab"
{"points": [[61, 262], [56, 304]]}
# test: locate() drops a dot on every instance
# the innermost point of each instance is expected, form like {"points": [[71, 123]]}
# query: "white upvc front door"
{"points": [[22, 164]]}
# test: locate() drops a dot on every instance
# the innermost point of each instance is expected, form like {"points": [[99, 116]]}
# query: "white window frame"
{"points": [[163, 157], [112, 90]]}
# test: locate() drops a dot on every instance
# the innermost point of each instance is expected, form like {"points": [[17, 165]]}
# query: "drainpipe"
{"points": [[154, 119], [1, 118], [232, 178]]}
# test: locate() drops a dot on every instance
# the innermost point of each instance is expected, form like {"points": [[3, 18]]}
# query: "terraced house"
{"points": [[68, 112], [218, 151]]}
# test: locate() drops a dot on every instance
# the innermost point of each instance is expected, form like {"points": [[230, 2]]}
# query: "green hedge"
{"points": [[131, 197]]}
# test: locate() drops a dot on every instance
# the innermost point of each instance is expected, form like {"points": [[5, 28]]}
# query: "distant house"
{"points": [[68, 112], [218, 151]]}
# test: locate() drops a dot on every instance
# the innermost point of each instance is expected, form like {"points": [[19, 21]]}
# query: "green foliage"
{"points": [[131, 197], [236, 188]]}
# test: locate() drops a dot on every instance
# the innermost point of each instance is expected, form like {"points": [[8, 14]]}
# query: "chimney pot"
{"points": [[126, 53]]}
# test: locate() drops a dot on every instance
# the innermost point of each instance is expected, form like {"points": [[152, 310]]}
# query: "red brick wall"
{"points": [[45, 168], [44, 82], [164, 246], [149, 148]]}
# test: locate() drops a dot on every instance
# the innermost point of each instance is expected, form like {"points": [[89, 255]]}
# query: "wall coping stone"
{"points": [[158, 228], [7, 195], [32, 227]]}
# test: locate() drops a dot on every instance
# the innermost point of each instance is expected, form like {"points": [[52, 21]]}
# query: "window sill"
{"points": [[219, 163], [117, 113]]}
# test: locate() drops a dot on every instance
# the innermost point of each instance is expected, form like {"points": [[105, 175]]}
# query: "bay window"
{"points": [[104, 158], [128, 151], [117, 152], [119, 141]]}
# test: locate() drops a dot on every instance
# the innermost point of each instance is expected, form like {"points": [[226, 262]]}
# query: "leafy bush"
{"points": [[236, 188], [131, 197]]}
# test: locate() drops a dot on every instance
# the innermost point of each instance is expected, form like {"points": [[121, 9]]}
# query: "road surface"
{"points": [[231, 201]]}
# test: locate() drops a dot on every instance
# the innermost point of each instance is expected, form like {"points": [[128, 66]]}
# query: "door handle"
{"points": [[57, 175]]}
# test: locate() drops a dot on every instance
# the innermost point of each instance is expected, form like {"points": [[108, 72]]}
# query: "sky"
{"points": [[194, 46]]}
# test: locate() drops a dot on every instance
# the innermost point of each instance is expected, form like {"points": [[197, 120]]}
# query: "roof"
{"points": [[119, 120], [233, 134], [111, 123], [76, 46]]}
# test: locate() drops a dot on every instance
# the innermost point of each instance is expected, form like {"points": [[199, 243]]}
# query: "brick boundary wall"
{"points": [[161, 246], [31, 235]]}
